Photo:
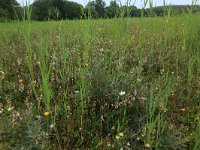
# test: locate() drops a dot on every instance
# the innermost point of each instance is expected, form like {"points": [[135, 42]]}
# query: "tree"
{"points": [[159, 11], [40, 10], [100, 8], [73, 10], [113, 10], [128, 11], [55, 10], [134, 12], [96, 9], [9, 9], [90, 10]]}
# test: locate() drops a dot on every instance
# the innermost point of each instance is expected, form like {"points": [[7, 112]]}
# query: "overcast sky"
{"points": [[138, 3]]}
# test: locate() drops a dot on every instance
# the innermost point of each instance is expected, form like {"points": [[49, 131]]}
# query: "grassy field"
{"points": [[128, 84]]}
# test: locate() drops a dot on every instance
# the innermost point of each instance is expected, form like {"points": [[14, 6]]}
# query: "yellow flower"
{"points": [[121, 134], [46, 113], [21, 81], [86, 65]]}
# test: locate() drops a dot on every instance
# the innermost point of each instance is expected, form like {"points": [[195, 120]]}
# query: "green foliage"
{"points": [[100, 8], [22, 130], [73, 10], [40, 10], [9, 9], [55, 10], [90, 10], [113, 10]]}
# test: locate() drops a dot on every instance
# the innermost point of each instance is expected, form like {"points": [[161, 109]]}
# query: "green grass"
{"points": [[79, 70]]}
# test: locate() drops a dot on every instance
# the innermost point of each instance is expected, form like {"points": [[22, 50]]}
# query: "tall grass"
{"points": [[124, 83]]}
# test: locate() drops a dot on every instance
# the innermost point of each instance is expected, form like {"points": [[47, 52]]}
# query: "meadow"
{"points": [[123, 83]]}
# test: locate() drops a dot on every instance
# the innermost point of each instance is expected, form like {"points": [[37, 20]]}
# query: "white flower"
{"points": [[10, 108], [38, 117], [101, 49], [108, 144], [122, 93], [117, 137], [52, 126], [76, 91]]}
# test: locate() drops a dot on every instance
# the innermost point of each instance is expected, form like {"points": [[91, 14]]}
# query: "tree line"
{"points": [[62, 9]]}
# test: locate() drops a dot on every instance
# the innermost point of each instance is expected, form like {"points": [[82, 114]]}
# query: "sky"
{"points": [[138, 3]]}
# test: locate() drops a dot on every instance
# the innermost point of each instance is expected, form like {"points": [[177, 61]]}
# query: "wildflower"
{"points": [[117, 137], [162, 71], [15, 117], [44, 134], [21, 81], [2, 74], [21, 85], [81, 129], [86, 65], [108, 144], [38, 62], [147, 146], [122, 93], [101, 49], [113, 128], [52, 126], [46, 113], [76, 91], [58, 37], [143, 98], [171, 126], [135, 93], [10, 108], [121, 134], [38, 117]]}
